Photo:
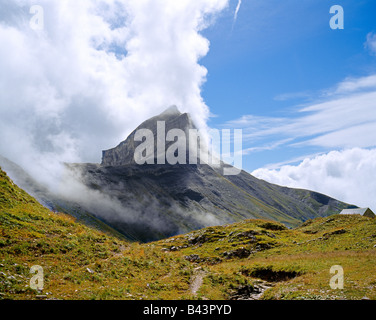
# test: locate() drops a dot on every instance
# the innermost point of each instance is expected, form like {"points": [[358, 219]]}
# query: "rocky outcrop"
{"points": [[250, 292], [124, 153]]}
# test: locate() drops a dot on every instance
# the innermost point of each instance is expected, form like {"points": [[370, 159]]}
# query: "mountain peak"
{"points": [[173, 110], [124, 153]]}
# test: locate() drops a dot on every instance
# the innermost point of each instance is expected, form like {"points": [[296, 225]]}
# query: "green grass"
{"points": [[83, 263]]}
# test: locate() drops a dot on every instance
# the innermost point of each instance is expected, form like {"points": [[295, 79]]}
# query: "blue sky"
{"points": [[279, 56]]}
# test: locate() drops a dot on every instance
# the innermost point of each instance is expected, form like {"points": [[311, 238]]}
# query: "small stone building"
{"points": [[366, 212]]}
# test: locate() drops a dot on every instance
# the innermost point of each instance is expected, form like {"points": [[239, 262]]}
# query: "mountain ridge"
{"points": [[155, 201], [175, 199]]}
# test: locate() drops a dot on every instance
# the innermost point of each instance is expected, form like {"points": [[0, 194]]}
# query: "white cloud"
{"points": [[97, 70], [371, 42], [346, 175]]}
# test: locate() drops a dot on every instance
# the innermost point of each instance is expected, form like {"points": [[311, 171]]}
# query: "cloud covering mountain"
{"points": [[95, 69]]}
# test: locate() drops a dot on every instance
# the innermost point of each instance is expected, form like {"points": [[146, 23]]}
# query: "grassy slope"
{"points": [[78, 262], [82, 263]]}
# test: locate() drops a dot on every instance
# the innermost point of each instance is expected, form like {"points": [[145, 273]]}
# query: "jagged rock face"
{"points": [[124, 153]]}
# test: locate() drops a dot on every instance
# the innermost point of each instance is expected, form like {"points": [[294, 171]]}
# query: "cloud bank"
{"points": [[347, 175], [95, 71]]}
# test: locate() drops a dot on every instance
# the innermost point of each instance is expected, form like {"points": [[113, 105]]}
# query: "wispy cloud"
{"points": [[237, 10], [293, 96], [236, 14], [370, 44], [345, 118], [266, 147], [351, 85]]}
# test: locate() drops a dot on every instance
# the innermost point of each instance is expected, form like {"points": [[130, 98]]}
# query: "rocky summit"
{"points": [[124, 153]]}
